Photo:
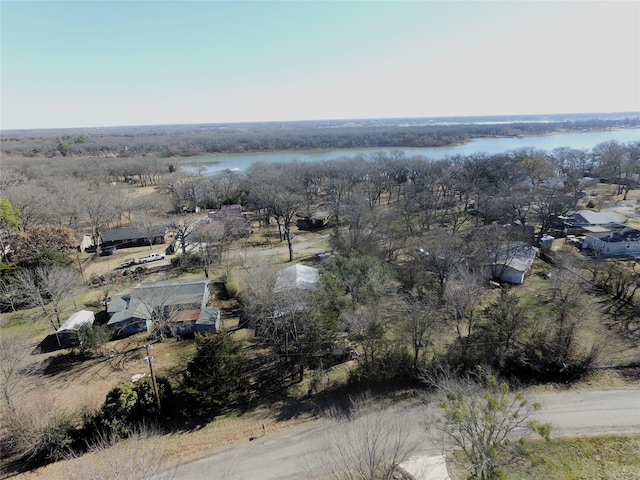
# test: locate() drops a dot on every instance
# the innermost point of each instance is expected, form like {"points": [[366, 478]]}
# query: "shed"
{"points": [[85, 243], [512, 264], [67, 334]]}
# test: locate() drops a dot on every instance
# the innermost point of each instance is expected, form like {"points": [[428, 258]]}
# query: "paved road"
{"points": [[286, 455], [590, 411]]}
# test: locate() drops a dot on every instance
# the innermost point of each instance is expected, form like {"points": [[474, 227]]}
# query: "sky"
{"points": [[107, 63]]}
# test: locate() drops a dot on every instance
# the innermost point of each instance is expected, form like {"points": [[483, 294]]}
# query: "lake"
{"points": [[491, 146]]}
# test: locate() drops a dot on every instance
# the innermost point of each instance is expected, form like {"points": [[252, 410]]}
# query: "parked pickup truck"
{"points": [[151, 258]]}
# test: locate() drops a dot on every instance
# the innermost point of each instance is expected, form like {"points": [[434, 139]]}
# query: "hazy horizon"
{"points": [[437, 120], [98, 64]]}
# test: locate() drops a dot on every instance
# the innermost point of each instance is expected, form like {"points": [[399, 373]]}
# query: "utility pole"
{"points": [[153, 376], [80, 265]]}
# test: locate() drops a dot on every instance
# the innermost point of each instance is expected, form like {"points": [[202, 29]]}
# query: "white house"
{"points": [[613, 239]]}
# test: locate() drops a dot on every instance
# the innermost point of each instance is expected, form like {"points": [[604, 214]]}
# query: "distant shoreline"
{"points": [[186, 141]]}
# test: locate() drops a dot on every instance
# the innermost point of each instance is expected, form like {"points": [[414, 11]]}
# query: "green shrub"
{"points": [[93, 304], [118, 411], [146, 405], [128, 404], [56, 440], [92, 337]]}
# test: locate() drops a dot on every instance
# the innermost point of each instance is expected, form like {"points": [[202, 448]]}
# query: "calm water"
{"points": [[491, 146]]}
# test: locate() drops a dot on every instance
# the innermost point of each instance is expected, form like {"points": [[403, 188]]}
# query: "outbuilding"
{"points": [[67, 334], [513, 264]]}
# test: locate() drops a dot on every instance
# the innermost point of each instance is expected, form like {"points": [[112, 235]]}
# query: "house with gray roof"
{"points": [[178, 306], [126, 237]]}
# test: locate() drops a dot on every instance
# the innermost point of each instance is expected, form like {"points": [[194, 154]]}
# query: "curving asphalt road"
{"points": [[288, 455]]}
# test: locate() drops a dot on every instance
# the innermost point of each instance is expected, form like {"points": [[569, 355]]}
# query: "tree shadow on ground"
{"points": [[61, 363], [12, 466]]}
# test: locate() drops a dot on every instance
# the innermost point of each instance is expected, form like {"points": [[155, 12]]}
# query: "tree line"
{"points": [[190, 140]]}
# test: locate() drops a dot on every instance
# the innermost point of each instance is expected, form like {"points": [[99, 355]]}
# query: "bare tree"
{"points": [[141, 457], [31, 200], [282, 315], [536, 166], [28, 423], [183, 228], [368, 444], [185, 189], [161, 301], [68, 200], [441, 253], [363, 228], [276, 188], [151, 227], [421, 322], [225, 186], [609, 158], [342, 176], [8, 294], [463, 294], [14, 348], [46, 288], [630, 168], [568, 302], [101, 210]]}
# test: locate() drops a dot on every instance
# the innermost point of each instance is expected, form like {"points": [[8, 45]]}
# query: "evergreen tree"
{"points": [[214, 380]]}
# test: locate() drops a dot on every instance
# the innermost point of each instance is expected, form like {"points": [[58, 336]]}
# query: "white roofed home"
{"points": [[297, 276], [587, 218], [294, 288]]}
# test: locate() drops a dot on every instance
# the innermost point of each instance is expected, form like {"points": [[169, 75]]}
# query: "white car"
{"points": [[152, 258]]}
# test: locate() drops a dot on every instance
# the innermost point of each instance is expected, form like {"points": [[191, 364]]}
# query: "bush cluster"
{"points": [[127, 404]]}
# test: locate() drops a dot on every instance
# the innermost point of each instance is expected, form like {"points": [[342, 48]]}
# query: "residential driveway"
{"points": [[293, 454]]}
